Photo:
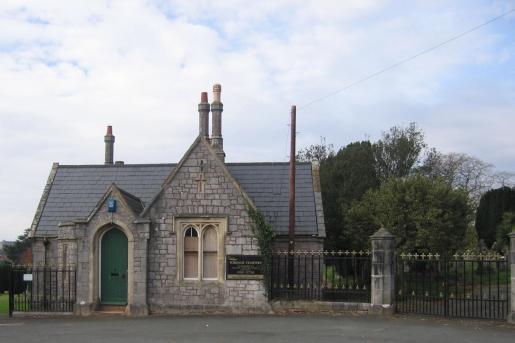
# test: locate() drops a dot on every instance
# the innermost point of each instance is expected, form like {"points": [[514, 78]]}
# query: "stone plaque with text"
{"points": [[244, 267]]}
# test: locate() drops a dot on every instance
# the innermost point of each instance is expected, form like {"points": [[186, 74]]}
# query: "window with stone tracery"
{"points": [[201, 243]]}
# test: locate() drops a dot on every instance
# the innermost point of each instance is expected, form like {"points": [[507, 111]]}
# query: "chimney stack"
{"points": [[216, 109], [109, 146], [203, 111]]}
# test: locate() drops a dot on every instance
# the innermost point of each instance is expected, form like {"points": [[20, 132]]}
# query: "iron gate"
{"points": [[41, 289], [466, 286]]}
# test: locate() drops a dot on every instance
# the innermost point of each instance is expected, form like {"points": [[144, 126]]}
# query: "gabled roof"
{"points": [[199, 141], [74, 191], [132, 202]]}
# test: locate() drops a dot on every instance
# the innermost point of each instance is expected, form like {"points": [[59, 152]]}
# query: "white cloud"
{"points": [[71, 68]]}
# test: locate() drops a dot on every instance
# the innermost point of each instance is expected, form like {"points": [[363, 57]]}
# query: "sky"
{"points": [[70, 68]]}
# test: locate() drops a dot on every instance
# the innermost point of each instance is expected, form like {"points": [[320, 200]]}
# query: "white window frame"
{"points": [[201, 225]]}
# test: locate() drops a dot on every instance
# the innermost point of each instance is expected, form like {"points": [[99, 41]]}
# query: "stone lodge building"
{"points": [[155, 237]]}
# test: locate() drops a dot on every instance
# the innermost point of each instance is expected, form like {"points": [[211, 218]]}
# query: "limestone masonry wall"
{"points": [[220, 199]]}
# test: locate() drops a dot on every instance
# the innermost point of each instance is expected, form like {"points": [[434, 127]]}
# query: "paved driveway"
{"points": [[260, 329]]}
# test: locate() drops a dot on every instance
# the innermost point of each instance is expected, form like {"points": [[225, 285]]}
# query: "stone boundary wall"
{"points": [[318, 307], [274, 308]]}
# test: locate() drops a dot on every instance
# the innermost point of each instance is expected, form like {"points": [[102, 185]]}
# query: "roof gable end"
{"points": [[131, 202], [199, 140], [43, 200]]}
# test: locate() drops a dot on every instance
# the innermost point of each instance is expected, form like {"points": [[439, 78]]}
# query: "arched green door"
{"points": [[113, 268]]}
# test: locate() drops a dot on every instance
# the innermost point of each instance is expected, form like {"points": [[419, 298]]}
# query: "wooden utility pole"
{"points": [[291, 223]]}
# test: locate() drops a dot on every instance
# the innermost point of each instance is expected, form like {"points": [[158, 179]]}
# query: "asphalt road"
{"points": [[298, 329]]}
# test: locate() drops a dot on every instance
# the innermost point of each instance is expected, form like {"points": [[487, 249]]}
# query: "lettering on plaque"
{"points": [[244, 267]]}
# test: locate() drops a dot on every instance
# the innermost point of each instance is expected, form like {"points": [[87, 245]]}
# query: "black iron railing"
{"points": [[329, 276], [41, 289], [465, 286]]}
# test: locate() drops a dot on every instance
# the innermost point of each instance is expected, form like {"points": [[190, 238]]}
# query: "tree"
{"points": [[316, 152], [345, 177], [22, 243], [426, 215], [492, 205], [506, 226], [460, 171], [504, 178], [398, 151]]}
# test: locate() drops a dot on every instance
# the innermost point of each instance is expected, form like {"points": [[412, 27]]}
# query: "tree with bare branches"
{"points": [[459, 170]]}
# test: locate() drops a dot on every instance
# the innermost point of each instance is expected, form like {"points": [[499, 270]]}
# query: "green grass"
{"points": [[333, 279], [4, 303], [465, 283]]}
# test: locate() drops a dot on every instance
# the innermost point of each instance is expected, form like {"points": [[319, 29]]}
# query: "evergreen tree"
{"points": [[492, 205], [22, 243], [344, 178], [506, 226], [426, 215]]}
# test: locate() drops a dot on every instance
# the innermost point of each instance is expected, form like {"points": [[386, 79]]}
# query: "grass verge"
{"points": [[4, 303]]}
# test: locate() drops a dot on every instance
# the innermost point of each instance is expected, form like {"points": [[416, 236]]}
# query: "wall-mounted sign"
{"points": [[27, 277], [111, 205], [244, 267]]}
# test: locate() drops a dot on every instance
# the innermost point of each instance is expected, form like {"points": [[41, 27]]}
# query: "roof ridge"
{"points": [[264, 163], [171, 164], [116, 166]]}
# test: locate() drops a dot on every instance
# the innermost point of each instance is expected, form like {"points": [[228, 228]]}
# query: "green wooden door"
{"points": [[114, 268]]}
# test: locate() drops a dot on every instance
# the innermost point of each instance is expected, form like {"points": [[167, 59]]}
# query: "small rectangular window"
{"points": [[210, 253]]}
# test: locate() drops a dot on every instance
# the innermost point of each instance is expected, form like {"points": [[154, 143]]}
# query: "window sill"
{"points": [[201, 281]]}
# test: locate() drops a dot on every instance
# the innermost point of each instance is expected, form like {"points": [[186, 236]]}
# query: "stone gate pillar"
{"points": [[383, 273], [511, 313]]}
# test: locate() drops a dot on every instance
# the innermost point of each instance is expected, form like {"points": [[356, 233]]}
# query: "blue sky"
{"points": [[71, 68]]}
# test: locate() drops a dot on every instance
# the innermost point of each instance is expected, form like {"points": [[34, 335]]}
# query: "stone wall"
{"points": [[88, 245], [45, 251], [221, 199]]}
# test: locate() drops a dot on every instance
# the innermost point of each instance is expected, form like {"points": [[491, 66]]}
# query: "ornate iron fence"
{"points": [[41, 289], [323, 275], [466, 286]]}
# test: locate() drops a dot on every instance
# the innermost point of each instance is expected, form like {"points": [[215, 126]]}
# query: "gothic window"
{"points": [[210, 253], [191, 244], [199, 246]]}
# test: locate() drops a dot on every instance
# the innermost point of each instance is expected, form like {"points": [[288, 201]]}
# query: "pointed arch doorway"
{"points": [[113, 268]]}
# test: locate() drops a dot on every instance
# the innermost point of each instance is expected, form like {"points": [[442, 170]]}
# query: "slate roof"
{"points": [[75, 191]]}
